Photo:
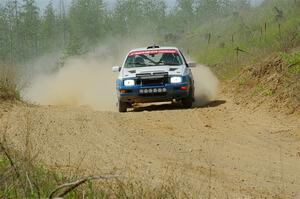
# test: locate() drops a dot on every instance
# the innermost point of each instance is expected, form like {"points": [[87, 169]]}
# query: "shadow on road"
{"points": [[212, 104], [174, 106]]}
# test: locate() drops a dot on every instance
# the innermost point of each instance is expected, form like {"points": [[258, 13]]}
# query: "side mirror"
{"points": [[116, 69], [192, 64]]}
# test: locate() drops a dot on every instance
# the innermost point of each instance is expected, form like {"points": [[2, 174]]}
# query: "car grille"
{"points": [[158, 78], [154, 81]]}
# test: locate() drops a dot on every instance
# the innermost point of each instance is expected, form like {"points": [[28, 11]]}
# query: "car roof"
{"points": [[159, 48]]}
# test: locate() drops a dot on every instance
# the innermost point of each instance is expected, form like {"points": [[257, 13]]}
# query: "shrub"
{"points": [[293, 62], [8, 84]]}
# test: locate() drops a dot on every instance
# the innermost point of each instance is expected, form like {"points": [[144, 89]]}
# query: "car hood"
{"points": [[171, 70]]}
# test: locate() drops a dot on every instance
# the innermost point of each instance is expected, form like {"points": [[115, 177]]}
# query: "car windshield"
{"points": [[153, 58]]}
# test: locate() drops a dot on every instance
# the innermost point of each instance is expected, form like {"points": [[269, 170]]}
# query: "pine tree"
{"points": [[207, 8], [62, 20], [48, 29], [242, 4], [185, 12], [86, 20], [128, 16], [10, 31], [4, 36], [73, 48], [30, 29], [154, 14]]}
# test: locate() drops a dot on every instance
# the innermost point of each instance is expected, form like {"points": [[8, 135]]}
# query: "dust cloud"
{"points": [[81, 82], [89, 81], [206, 85]]}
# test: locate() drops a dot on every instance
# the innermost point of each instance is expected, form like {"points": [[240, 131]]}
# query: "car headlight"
{"points": [[176, 80], [129, 82]]}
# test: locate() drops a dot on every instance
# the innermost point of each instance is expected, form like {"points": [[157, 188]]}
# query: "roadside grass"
{"points": [[293, 62], [259, 40], [273, 82], [22, 178], [263, 90], [8, 84], [8, 91], [245, 38]]}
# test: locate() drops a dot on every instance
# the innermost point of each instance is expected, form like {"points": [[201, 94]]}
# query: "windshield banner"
{"points": [[171, 51]]}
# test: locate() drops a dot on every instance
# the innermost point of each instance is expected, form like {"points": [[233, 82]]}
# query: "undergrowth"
{"points": [[245, 37], [274, 81], [293, 62], [8, 84], [23, 178], [256, 50], [8, 91]]}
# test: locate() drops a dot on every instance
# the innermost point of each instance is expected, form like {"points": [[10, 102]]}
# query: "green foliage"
{"points": [[8, 91], [134, 17], [243, 81], [34, 181], [29, 23], [24, 33], [257, 32], [293, 62], [48, 30], [74, 47], [8, 86], [262, 89], [208, 30], [24, 180], [86, 20]]}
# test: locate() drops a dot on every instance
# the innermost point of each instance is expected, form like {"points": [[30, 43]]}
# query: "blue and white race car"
{"points": [[154, 74]]}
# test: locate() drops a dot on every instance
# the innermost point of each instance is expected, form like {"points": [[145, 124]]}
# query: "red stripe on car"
{"points": [[143, 52]]}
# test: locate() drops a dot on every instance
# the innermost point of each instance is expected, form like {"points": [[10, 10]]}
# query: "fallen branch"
{"points": [[12, 164], [293, 64], [73, 185]]}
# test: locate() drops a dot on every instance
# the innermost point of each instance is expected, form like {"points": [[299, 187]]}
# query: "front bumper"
{"points": [[168, 92]]}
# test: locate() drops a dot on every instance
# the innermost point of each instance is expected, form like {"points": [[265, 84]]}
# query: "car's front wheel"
{"points": [[122, 107], [188, 102]]}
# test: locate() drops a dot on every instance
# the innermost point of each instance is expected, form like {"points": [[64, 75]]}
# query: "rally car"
{"points": [[154, 74]]}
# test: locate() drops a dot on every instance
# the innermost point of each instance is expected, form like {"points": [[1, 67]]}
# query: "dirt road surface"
{"points": [[221, 151]]}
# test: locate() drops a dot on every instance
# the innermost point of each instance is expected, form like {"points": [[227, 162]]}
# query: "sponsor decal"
{"points": [[144, 52]]}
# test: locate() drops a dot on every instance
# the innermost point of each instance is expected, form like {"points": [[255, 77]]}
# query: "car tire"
{"points": [[188, 102], [122, 107]]}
